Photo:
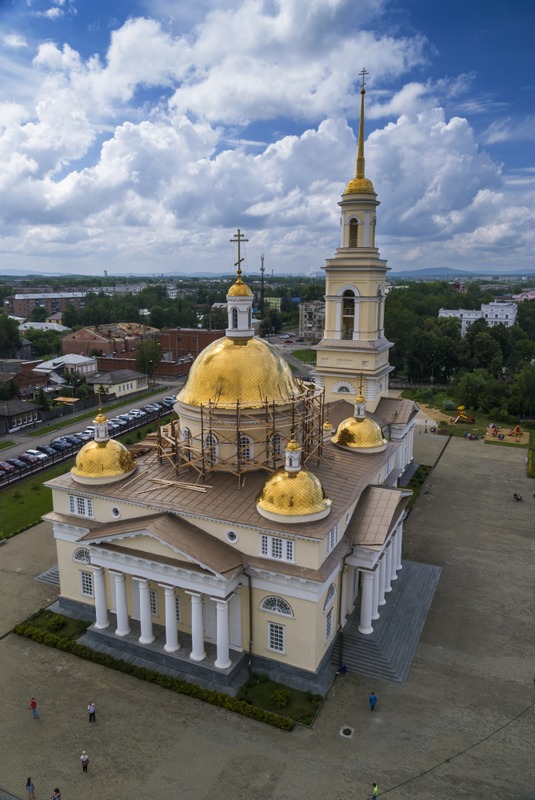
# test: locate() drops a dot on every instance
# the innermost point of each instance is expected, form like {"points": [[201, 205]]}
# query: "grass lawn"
{"points": [[48, 622], [8, 443], [280, 699], [306, 356]]}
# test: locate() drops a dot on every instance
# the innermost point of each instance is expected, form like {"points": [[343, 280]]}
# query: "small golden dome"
{"points": [[327, 426], [102, 462], [359, 185], [293, 445], [360, 435], [293, 494], [100, 417], [239, 289], [250, 371]]}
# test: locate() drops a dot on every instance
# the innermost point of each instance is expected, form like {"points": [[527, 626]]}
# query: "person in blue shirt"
{"points": [[373, 701]]}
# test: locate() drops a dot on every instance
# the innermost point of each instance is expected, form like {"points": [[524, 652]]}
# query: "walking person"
{"points": [[91, 712], [375, 790], [33, 708], [56, 795], [30, 788], [84, 758], [373, 701]]}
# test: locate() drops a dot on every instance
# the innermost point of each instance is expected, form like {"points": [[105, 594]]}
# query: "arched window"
{"points": [[211, 449], [250, 317], [82, 555], [244, 449], [348, 314], [331, 593], [186, 435], [234, 318], [276, 445], [276, 605], [344, 387], [353, 232]]}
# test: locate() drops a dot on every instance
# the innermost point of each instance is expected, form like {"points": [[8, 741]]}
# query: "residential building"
{"points": [[21, 305], [312, 320], [494, 313]]}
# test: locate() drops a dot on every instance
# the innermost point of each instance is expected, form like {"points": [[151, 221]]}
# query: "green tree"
{"points": [[38, 314], [523, 395], [148, 356], [9, 336], [70, 315], [42, 399]]}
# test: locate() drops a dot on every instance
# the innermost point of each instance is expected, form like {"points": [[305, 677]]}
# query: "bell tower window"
{"points": [[353, 232], [235, 318], [348, 314]]}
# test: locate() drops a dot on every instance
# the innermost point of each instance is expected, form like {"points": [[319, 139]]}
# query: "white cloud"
{"points": [[14, 40]]}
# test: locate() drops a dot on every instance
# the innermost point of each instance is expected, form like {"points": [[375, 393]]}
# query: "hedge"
{"points": [[165, 681]]}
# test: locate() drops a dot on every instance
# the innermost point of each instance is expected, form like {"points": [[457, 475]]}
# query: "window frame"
{"points": [[280, 606], [276, 637], [269, 545], [87, 587], [80, 506]]}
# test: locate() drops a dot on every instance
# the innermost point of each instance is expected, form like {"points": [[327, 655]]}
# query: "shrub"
{"points": [[56, 623], [448, 406], [280, 698], [234, 704]]}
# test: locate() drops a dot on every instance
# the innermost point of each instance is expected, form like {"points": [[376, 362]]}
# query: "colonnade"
{"points": [[171, 645], [376, 584]]}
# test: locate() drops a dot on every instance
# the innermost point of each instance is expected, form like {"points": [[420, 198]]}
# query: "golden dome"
{"points": [[359, 434], [102, 462], [327, 426], [239, 289], [359, 185], [293, 445], [249, 370], [293, 494]]}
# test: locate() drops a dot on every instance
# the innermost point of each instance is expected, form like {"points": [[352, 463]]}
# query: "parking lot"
{"points": [[32, 455]]}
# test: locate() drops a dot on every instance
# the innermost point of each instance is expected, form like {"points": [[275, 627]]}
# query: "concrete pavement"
{"points": [[461, 727]]}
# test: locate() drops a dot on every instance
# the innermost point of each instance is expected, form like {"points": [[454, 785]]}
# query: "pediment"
{"points": [[169, 539]]}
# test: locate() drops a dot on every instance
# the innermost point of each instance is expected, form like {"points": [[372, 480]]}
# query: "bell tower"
{"points": [[354, 343]]}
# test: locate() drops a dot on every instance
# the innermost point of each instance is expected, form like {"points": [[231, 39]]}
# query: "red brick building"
{"points": [[180, 343]]}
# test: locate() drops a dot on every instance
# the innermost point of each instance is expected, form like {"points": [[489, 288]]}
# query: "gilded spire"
{"points": [[360, 183], [239, 289]]}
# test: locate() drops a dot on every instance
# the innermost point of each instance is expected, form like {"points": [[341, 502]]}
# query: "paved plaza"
{"points": [[460, 727]]}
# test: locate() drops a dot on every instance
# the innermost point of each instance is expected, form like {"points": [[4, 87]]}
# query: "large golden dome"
{"points": [[360, 435], [229, 370], [102, 462], [293, 494]]}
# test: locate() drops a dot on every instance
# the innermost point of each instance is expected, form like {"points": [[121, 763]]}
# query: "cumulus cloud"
{"points": [[241, 119]]}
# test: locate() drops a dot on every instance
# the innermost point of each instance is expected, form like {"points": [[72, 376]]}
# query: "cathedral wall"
{"points": [[300, 644]]}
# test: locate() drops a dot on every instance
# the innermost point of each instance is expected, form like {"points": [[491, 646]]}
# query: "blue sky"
{"points": [[137, 135]]}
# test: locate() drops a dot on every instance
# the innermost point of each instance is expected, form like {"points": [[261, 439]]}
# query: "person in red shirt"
{"points": [[33, 708]]}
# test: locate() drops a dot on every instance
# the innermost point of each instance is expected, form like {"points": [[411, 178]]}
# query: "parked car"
{"points": [[16, 462], [48, 451], [85, 437], [119, 421], [137, 412], [38, 455], [27, 458], [113, 426], [60, 445], [6, 467], [171, 400], [74, 440], [127, 417]]}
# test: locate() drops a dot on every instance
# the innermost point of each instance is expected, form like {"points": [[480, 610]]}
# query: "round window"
{"points": [[115, 512], [232, 536]]}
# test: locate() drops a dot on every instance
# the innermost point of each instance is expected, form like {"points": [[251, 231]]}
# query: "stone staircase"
{"points": [[388, 652], [50, 576]]}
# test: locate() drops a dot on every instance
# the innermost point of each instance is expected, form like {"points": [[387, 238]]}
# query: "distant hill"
{"points": [[448, 272]]}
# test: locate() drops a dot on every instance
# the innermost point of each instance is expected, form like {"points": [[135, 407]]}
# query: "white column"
{"points": [[394, 559], [366, 602], [222, 661], [376, 587], [101, 608], [388, 569], [171, 633], [399, 544], [123, 628], [145, 618], [197, 638], [382, 579]]}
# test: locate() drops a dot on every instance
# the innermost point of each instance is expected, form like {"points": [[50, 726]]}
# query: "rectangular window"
{"points": [[276, 637], [178, 609], [81, 506], [280, 549], [86, 579], [332, 539], [153, 603], [329, 624]]}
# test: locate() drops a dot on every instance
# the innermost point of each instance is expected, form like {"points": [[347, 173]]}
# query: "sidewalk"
{"points": [[461, 727]]}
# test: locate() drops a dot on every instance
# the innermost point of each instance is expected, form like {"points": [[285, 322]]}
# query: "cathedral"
{"points": [[269, 511]]}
